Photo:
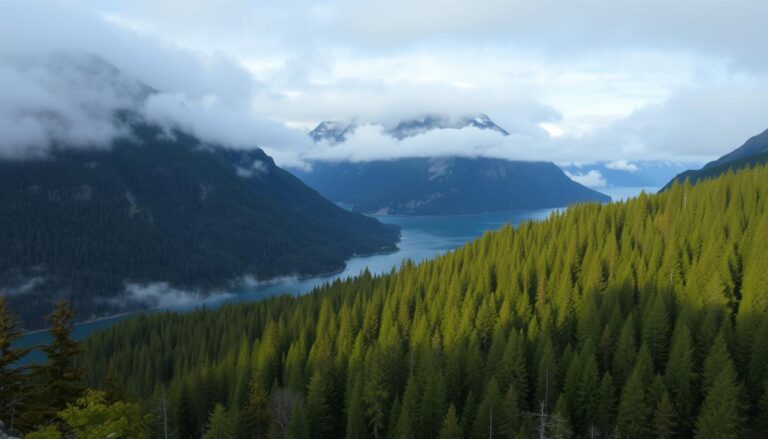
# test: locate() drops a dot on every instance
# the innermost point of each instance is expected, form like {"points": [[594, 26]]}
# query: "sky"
{"points": [[573, 81]]}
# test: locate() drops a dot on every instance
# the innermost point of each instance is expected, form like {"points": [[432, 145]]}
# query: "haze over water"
{"points": [[423, 237]]}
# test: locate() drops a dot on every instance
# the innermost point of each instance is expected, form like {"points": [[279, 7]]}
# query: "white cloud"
{"points": [[589, 81], [592, 179], [162, 295], [622, 165]]}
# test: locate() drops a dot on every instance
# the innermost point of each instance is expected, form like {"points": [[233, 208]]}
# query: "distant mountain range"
{"points": [[650, 174], [753, 152], [439, 185], [83, 223], [335, 132]]}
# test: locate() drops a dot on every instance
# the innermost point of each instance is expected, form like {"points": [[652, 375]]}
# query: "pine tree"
{"points": [[186, 418], [716, 361], [468, 413], [256, 414], [626, 352], [634, 412], [489, 414], [319, 405], [606, 404], [219, 424], [298, 427], [375, 397], [679, 373], [355, 411], [511, 415], [450, 428], [719, 416], [656, 332], [62, 378], [14, 380], [664, 419], [432, 404]]}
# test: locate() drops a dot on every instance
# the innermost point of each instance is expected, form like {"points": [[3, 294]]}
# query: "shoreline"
{"points": [[212, 293]]}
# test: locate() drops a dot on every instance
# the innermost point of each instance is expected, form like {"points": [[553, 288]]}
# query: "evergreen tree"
{"points": [[319, 405], [219, 424], [298, 427], [606, 404], [356, 412], [62, 378], [719, 416], [14, 380], [489, 414], [626, 352], [450, 428], [665, 418], [256, 414], [634, 412], [679, 373], [656, 331], [186, 418], [511, 416]]}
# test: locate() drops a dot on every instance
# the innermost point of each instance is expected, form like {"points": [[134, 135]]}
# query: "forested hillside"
{"points": [[639, 319], [161, 207], [752, 153]]}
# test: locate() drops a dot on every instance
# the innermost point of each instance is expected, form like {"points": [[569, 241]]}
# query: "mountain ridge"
{"points": [[439, 185], [753, 152]]}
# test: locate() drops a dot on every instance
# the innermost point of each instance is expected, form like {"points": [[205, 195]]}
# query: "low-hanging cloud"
{"points": [[163, 295], [65, 74], [593, 178], [210, 93]]}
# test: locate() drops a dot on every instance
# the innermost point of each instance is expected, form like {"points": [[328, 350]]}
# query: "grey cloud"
{"points": [[57, 90]]}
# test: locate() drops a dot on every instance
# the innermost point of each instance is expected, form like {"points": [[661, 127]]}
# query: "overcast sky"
{"points": [[571, 80]]}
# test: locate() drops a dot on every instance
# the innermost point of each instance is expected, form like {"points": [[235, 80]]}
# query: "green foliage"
{"points": [[606, 314], [664, 419], [91, 417], [220, 425], [160, 207], [450, 428], [61, 375], [14, 386], [47, 432], [719, 417]]}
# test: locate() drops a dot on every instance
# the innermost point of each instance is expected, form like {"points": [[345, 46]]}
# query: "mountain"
{"points": [[621, 304], [335, 132], [753, 152], [439, 185], [413, 127], [332, 132], [630, 174], [159, 207]]}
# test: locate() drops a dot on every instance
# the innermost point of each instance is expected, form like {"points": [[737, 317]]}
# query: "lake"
{"points": [[423, 237]]}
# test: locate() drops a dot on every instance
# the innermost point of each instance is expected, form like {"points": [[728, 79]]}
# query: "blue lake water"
{"points": [[423, 237]]}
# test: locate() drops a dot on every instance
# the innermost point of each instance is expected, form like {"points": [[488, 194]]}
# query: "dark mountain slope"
{"points": [[439, 185], [753, 152], [82, 223], [451, 185]]}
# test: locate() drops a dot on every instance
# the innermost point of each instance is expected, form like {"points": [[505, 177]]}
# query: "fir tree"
{"points": [[450, 428], [219, 424], [62, 378], [664, 419], [14, 380], [719, 416]]}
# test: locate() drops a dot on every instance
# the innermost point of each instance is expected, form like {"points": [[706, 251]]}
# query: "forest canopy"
{"points": [[644, 318]]}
